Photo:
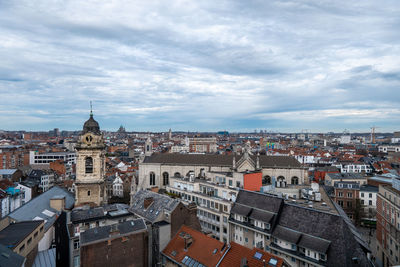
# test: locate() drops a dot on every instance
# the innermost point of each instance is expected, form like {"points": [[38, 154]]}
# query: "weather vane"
{"points": [[91, 110]]}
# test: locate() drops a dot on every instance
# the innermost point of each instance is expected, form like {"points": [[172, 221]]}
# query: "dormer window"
{"points": [[322, 257], [267, 226]]}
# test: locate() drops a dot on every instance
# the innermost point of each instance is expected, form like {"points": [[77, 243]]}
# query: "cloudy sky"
{"points": [[200, 65]]}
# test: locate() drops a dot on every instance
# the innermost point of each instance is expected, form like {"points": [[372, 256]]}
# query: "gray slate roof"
{"points": [[14, 233], [37, 205], [45, 258], [320, 231], [286, 234], [219, 160], [9, 258], [103, 233], [160, 204]]}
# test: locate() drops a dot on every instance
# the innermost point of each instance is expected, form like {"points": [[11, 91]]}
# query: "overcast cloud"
{"points": [[200, 65]]}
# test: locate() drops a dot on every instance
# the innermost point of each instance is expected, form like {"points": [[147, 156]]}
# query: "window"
{"points": [[266, 180], [340, 194], [370, 202], [152, 178], [230, 182], [89, 165], [88, 192], [362, 194], [76, 244], [29, 240], [349, 204], [350, 195], [340, 202], [295, 180], [76, 261], [370, 195], [165, 178], [322, 257], [22, 248]]}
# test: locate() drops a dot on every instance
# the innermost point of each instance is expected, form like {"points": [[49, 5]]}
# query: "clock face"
{"points": [[88, 139]]}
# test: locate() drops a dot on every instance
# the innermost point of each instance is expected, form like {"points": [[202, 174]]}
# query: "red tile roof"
{"points": [[201, 249], [237, 252]]}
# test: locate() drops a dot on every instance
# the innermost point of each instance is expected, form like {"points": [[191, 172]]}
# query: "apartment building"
{"points": [[388, 223], [356, 167], [346, 195], [213, 198], [301, 236], [46, 158]]}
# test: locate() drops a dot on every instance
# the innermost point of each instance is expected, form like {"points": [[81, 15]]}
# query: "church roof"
{"points": [[91, 125], [219, 160]]}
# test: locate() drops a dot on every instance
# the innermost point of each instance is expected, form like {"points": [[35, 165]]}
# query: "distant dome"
{"points": [[91, 126]]}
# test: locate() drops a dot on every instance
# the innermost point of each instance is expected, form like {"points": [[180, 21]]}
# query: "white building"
{"points": [[10, 200], [156, 170], [389, 148], [118, 190], [213, 198], [26, 193], [46, 158], [353, 167], [179, 149]]}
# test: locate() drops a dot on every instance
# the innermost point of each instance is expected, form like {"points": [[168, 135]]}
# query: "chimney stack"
{"points": [[188, 241]]}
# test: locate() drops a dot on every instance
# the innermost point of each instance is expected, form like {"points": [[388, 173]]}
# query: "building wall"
{"points": [[388, 226], [184, 215], [252, 181], [130, 250]]}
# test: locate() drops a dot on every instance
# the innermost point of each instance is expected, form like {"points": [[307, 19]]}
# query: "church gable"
{"points": [[246, 163]]}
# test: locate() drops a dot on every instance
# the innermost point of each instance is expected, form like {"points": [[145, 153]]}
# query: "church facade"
{"points": [[90, 166], [157, 169]]}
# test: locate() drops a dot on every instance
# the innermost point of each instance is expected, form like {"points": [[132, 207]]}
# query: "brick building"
{"points": [[121, 244], [13, 159], [164, 216], [347, 194], [388, 224]]}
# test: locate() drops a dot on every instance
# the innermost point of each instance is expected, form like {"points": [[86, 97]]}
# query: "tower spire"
{"points": [[91, 109]]}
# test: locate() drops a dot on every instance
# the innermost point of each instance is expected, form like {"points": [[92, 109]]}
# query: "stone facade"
{"points": [[90, 166]]}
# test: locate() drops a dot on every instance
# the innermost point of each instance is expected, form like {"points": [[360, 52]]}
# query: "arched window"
{"points": [[266, 180], [165, 176], [89, 165], [295, 180], [177, 174], [152, 178]]}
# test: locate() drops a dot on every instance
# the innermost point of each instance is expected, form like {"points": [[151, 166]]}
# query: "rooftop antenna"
{"points": [[91, 109]]}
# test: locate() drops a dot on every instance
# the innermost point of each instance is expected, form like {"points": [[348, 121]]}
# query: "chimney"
{"points": [[57, 203], [147, 202], [188, 241]]}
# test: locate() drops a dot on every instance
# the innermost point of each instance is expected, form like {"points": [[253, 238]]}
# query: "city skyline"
{"points": [[189, 66]]}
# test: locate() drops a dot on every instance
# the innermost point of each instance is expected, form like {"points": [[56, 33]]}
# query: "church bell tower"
{"points": [[90, 166]]}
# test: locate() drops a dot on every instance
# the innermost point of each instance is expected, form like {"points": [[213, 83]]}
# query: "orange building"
{"points": [[252, 181]]}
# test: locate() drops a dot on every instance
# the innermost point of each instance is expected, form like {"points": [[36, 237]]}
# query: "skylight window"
{"points": [[273, 262], [48, 213], [258, 255]]}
